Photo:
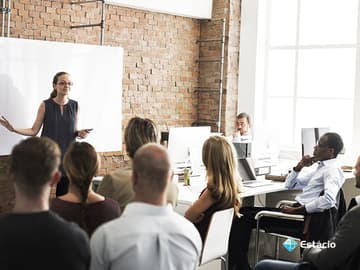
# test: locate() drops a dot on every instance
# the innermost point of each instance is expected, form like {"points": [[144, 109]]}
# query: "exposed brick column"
{"points": [[209, 73]]}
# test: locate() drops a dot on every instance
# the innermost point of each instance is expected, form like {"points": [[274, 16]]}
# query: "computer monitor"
{"points": [[243, 150], [185, 145], [309, 138]]}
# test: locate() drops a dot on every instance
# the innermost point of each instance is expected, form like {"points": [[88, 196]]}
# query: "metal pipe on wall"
{"points": [[8, 17], [102, 23], [221, 72], [5, 11], [3, 18]]}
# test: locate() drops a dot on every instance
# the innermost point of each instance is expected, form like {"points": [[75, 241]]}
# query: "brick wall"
{"points": [[161, 72], [209, 72]]}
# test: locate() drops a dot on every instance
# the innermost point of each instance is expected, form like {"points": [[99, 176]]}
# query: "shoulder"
{"points": [[184, 227], [120, 176], [67, 230]]}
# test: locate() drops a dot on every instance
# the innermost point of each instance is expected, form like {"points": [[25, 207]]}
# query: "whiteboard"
{"points": [[27, 68], [200, 9]]}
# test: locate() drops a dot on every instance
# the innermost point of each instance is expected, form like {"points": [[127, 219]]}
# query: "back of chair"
{"points": [[217, 237]]}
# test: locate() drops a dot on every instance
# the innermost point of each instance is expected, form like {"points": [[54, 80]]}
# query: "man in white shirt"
{"points": [[320, 188], [148, 235], [321, 185]]}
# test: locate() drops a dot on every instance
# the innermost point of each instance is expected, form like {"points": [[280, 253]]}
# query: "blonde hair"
{"points": [[219, 158]]}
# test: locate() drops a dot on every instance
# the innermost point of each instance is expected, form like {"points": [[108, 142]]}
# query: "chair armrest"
{"points": [[279, 215], [285, 202]]}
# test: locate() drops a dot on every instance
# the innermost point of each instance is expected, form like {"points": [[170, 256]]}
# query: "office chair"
{"points": [[217, 238], [317, 226]]}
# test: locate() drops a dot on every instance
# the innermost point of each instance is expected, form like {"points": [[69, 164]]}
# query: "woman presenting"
{"points": [[58, 117]]}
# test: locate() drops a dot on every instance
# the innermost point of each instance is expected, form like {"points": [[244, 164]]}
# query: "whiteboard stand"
{"points": [[102, 22]]}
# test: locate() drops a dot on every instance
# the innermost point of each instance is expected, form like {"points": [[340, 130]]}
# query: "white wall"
{"points": [[200, 9], [27, 68]]}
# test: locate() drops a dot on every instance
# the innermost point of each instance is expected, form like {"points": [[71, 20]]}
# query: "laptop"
{"points": [[247, 174]]}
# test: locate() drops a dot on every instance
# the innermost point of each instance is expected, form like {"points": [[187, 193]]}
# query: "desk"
{"points": [[189, 194]]}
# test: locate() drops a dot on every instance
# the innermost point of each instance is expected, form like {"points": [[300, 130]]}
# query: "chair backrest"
{"points": [[217, 237]]}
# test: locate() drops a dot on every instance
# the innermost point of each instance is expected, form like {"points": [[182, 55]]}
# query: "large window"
{"points": [[305, 71]]}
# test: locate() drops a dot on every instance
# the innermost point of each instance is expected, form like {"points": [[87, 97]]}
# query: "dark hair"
{"points": [[53, 94], [33, 162], [138, 132], [334, 141], [243, 115], [81, 163]]}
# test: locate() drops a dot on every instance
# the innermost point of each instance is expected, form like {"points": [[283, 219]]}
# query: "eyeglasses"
{"points": [[62, 83], [321, 145]]}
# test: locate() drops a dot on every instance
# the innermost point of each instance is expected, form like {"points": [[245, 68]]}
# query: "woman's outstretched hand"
{"points": [[84, 132], [4, 122]]}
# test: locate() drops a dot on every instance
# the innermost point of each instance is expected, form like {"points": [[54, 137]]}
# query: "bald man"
{"points": [[148, 235]]}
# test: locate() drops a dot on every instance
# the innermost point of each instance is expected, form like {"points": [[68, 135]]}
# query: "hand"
{"points": [[306, 161], [84, 132], [293, 210], [4, 122]]}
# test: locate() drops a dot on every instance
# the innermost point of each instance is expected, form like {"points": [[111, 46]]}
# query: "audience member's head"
{"points": [[219, 158], [329, 146], [138, 132], [151, 172], [34, 166], [243, 123], [81, 163], [357, 172]]}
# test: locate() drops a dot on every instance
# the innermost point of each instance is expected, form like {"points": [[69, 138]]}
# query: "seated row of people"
{"points": [[149, 234], [148, 230]]}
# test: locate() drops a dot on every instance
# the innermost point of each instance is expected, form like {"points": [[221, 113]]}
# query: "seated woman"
{"points": [[118, 185], [222, 189], [81, 204]]}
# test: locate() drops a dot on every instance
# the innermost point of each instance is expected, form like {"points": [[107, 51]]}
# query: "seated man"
{"points": [[32, 237], [320, 188], [242, 132], [117, 185], [148, 235]]}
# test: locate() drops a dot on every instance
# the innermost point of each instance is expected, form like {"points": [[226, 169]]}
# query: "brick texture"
{"points": [[161, 71]]}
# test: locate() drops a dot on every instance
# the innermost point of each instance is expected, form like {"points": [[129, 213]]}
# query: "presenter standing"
{"points": [[58, 117]]}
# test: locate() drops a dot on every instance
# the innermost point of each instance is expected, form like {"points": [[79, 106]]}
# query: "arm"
{"points": [[195, 212], [346, 239], [296, 181], [34, 130], [332, 184]]}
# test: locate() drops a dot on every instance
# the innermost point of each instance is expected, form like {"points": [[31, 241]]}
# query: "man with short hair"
{"points": [[243, 124], [32, 237], [320, 188], [345, 244], [148, 235]]}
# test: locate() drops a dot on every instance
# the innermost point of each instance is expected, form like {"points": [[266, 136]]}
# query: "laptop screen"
{"points": [[246, 169]]}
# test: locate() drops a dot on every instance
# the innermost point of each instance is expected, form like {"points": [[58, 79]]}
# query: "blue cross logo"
{"points": [[290, 244]]}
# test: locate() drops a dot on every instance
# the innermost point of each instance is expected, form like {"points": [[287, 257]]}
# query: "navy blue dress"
{"points": [[60, 127]]}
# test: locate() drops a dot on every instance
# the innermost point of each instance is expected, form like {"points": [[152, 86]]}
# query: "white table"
{"points": [[189, 194]]}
